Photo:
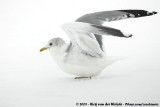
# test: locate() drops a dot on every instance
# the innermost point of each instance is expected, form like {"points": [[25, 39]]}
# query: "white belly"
{"points": [[79, 64], [81, 70]]}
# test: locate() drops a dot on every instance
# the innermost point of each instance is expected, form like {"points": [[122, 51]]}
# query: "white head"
{"points": [[53, 43]]}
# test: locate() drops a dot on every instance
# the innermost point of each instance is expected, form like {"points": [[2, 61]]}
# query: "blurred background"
{"points": [[29, 78]]}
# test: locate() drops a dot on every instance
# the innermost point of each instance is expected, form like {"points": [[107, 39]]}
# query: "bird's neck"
{"points": [[57, 53]]}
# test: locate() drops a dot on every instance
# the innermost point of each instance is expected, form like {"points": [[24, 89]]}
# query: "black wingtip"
{"points": [[155, 12], [152, 13], [139, 13], [130, 35]]}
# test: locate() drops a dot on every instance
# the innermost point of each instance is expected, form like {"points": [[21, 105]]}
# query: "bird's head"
{"points": [[53, 43]]}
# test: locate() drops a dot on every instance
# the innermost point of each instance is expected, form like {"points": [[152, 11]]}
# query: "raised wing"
{"points": [[98, 18], [81, 35]]}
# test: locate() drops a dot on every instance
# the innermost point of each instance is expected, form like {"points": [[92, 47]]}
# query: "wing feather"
{"points": [[98, 18], [87, 30], [82, 35], [95, 29], [83, 39]]}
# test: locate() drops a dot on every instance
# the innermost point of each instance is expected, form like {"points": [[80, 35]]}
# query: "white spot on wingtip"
{"points": [[151, 12], [125, 16], [126, 34], [131, 15]]}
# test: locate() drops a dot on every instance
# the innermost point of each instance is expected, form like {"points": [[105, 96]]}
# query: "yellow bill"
{"points": [[42, 49]]}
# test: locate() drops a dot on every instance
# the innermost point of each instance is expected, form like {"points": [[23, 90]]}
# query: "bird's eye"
{"points": [[50, 44]]}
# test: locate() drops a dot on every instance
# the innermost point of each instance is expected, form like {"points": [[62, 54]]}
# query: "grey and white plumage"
{"points": [[98, 18], [84, 55]]}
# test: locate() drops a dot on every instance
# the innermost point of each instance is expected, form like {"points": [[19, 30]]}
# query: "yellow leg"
{"points": [[82, 77]]}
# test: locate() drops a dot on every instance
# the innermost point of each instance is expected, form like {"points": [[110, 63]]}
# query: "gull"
{"points": [[84, 56]]}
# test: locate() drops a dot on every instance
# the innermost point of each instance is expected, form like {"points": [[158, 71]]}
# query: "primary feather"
{"points": [[98, 18]]}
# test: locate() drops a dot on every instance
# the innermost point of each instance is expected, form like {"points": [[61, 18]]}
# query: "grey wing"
{"points": [[82, 36], [98, 18]]}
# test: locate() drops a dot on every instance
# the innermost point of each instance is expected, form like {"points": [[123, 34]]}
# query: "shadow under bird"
{"points": [[84, 56]]}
